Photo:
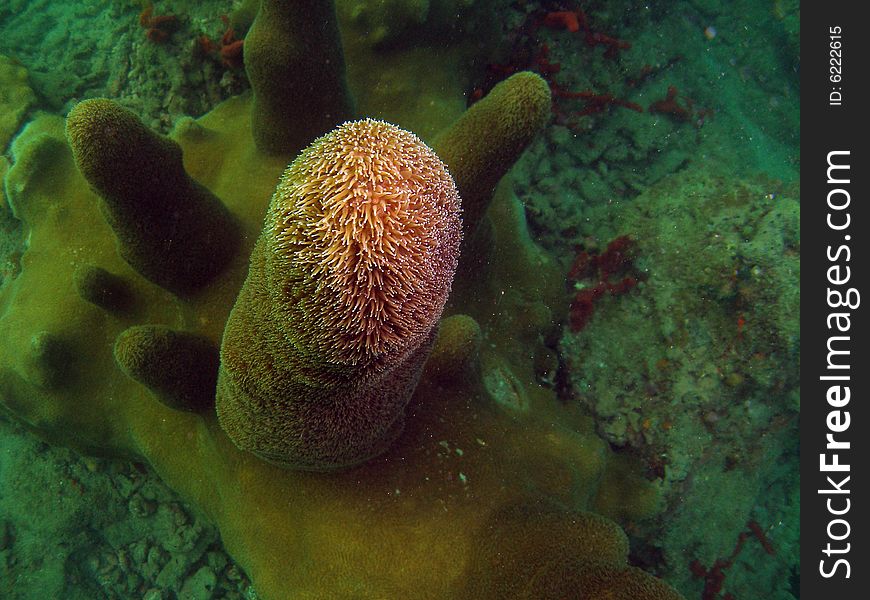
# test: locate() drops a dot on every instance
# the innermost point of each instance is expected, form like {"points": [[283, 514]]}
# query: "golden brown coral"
{"points": [[296, 98], [405, 525], [180, 368], [456, 349], [486, 141]]}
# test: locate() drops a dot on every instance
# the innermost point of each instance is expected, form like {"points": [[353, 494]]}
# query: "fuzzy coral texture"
{"points": [[346, 285], [597, 571], [286, 82], [513, 112], [414, 523], [368, 219]]}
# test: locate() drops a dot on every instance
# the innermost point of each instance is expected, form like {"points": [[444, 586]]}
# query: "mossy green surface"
{"points": [[697, 368], [523, 98]]}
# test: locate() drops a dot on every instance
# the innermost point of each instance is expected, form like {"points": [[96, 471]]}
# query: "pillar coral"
{"points": [[515, 110], [294, 61], [346, 285], [170, 229], [466, 488]]}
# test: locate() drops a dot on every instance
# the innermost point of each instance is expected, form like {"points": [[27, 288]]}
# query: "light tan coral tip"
{"points": [[367, 221], [180, 368], [102, 288], [456, 347]]}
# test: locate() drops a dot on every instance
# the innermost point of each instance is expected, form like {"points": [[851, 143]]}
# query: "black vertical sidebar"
{"points": [[835, 362]]}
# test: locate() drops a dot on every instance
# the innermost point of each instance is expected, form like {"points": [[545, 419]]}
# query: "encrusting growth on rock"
{"points": [[169, 228], [346, 285]]}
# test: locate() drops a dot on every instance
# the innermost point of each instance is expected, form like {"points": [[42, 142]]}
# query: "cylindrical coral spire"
{"points": [[486, 141], [294, 61], [170, 229], [346, 285]]}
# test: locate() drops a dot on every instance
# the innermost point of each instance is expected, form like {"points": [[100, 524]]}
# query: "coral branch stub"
{"points": [[180, 368], [101, 288], [338, 312]]}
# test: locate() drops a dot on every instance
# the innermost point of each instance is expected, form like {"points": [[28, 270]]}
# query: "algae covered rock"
{"points": [[714, 321], [697, 368], [16, 97]]}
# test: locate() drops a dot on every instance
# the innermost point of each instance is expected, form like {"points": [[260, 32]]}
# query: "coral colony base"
{"points": [[452, 477]]}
